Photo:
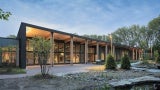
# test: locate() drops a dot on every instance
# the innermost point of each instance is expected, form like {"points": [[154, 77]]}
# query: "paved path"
{"points": [[58, 70]]}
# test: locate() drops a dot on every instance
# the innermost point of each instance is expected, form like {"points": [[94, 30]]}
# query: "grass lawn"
{"points": [[13, 70]]}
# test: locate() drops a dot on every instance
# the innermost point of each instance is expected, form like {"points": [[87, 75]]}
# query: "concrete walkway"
{"points": [[58, 70]]}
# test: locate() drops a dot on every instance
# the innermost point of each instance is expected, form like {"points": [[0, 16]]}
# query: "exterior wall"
{"points": [[82, 51], [119, 53], [61, 53], [22, 45], [9, 50]]}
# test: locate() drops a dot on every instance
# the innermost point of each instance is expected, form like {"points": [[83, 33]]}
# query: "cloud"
{"points": [[78, 16]]}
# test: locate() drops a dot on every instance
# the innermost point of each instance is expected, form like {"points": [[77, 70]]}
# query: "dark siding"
{"points": [[22, 45]]}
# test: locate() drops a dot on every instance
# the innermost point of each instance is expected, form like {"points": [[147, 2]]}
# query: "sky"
{"points": [[78, 16]]}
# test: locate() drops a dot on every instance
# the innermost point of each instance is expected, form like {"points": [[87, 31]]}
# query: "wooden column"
{"points": [[86, 51], [106, 51], [111, 49], [136, 55], [97, 51], [133, 54], [71, 50], [52, 49]]}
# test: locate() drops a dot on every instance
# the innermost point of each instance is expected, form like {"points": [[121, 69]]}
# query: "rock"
{"points": [[143, 70], [157, 86], [120, 83], [150, 74], [129, 82], [158, 66]]}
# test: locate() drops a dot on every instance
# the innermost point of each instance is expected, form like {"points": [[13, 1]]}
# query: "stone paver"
{"points": [[58, 70]]}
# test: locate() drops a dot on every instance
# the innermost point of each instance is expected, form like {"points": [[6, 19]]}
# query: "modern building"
{"points": [[66, 48]]}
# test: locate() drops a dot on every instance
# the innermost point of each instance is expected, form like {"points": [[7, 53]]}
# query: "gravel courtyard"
{"points": [[67, 77]]}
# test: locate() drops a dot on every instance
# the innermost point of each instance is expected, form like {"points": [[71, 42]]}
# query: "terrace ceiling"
{"points": [[32, 32]]}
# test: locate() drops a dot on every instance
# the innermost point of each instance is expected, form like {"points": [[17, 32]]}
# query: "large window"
{"points": [[59, 52], [28, 45], [82, 55], [78, 53], [8, 51], [31, 59], [55, 47], [91, 54], [59, 58], [102, 53], [67, 47], [67, 57], [8, 55], [61, 47]]}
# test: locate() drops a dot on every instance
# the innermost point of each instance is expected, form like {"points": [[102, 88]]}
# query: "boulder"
{"points": [[135, 81]]}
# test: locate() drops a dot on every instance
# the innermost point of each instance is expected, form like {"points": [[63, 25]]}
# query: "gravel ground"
{"points": [[77, 81], [28, 83]]}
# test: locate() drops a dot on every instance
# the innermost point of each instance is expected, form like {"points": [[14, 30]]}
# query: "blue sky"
{"points": [[78, 16]]}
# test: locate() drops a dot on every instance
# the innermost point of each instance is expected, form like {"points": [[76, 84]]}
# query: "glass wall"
{"points": [[102, 53], [67, 52], [8, 55], [8, 52], [91, 54], [76, 53], [82, 53], [62, 53], [59, 52], [31, 58]]}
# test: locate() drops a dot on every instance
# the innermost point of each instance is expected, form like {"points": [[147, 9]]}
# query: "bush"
{"points": [[125, 63], [157, 55], [110, 62], [158, 60]]}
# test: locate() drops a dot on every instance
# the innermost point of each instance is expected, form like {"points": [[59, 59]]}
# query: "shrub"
{"points": [[110, 62], [125, 63], [158, 60], [157, 55], [9, 69]]}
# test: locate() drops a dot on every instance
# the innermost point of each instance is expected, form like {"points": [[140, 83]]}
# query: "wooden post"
{"points": [[86, 51], [136, 55], [106, 51], [133, 54], [52, 49], [71, 51], [111, 48], [97, 51]]}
